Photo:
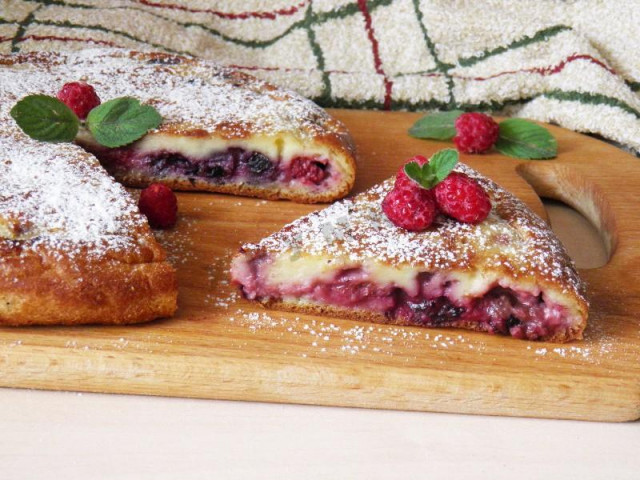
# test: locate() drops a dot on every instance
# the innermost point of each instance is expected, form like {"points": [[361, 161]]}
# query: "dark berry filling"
{"points": [[234, 164], [258, 163], [500, 310], [166, 161]]}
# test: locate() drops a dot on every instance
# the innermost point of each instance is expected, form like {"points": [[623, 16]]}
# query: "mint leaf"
{"points": [[521, 138], [443, 162], [413, 170], [433, 172], [438, 126], [45, 118], [121, 121]]}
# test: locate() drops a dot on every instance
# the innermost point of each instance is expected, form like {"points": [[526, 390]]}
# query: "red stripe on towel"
{"points": [[281, 12], [388, 85]]}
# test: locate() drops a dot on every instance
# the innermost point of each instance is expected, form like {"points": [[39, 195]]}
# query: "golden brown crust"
{"points": [[99, 293], [50, 286]]}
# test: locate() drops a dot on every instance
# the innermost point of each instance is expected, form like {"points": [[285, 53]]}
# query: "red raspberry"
{"points": [[410, 208], [475, 132], [159, 204], [402, 180], [308, 169], [79, 97], [462, 198]]}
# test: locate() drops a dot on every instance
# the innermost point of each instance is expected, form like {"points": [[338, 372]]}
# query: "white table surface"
{"points": [[64, 435]]}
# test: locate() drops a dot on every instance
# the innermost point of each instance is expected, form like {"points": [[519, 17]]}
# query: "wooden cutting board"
{"points": [[221, 346]]}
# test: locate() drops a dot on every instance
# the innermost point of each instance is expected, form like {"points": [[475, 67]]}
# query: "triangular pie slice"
{"points": [[222, 130], [74, 249], [509, 274]]}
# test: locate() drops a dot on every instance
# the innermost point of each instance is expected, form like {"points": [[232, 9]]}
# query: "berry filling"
{"points": [[309, 170], [502, 310], [232, 165]]}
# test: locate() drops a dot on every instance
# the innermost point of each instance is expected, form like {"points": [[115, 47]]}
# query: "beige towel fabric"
{"points": [[575, 63]]}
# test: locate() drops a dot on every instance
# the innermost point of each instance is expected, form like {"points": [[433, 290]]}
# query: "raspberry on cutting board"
{"points": [[159, 204], [475, 132]]}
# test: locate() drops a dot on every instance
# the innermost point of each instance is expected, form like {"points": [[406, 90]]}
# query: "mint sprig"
{"points": [[45, 118], [434, 171], [437, 126], [121, 121], [518, 138], [115, 123], [523, 139]]}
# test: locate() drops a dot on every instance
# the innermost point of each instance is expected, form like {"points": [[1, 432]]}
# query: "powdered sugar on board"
{"points": [[307, 337]]}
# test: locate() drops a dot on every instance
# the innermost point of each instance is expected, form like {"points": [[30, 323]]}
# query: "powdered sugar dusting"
{"points": [[189, 94], [512, 240], [51, 203]]}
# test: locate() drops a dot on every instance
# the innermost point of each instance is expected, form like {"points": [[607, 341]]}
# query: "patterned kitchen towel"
{"points": [[575, 63]]}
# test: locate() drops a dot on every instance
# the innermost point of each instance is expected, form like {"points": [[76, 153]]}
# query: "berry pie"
{"points": [[74, 249], [222, 130], [507, 274]]}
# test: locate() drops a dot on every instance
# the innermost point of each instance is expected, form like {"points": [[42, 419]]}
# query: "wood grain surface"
{"points": [[221, 346]]}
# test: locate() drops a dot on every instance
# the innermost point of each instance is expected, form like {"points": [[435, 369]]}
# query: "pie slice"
{"points": [[73, 247], [222, 131], [508, 274]]}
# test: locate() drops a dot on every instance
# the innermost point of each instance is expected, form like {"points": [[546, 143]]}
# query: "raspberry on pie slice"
{"points": [[508, 274], [222, 130]]}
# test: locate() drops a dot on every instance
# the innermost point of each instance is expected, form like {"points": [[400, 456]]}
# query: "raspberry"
{"points": [[475, 132], [79, 97], [308, 170], [410, 208], [159, 204], [462, 198], [402, 180]]}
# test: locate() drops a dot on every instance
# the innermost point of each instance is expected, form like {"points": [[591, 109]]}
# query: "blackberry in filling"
{"points": [[256, 167], [433, 311], [167, 161], [258, 163], [219, 166]]}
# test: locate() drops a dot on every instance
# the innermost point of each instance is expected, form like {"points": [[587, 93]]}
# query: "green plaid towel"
{"points": [[575, 63]]}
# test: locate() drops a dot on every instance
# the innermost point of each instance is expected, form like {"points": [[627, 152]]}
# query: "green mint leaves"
{"points": [[433, 172], [45, 118], [113, 124], [523, 139], [437, 126], [518, 138], [121, 121]]}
